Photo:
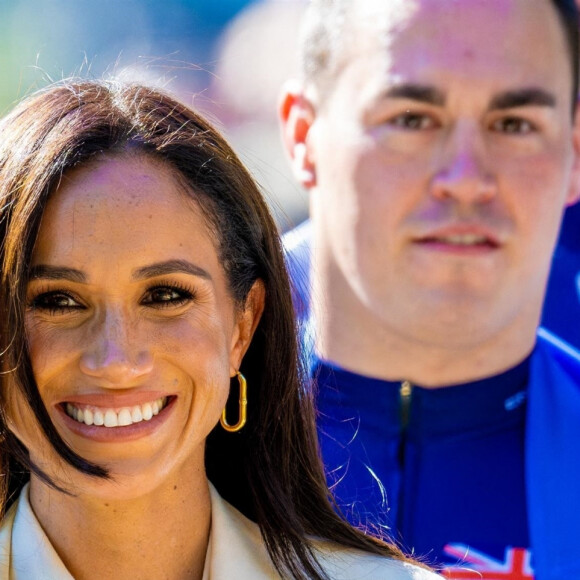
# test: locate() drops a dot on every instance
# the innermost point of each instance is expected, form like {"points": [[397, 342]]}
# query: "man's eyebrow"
{"points": [[415, 92], [56, 273], [171, 267], [523, 98]]}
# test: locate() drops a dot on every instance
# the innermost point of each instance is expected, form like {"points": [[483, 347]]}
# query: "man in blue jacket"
{"points": [[440, 143]]}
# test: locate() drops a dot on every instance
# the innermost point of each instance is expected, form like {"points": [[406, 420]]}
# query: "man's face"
{"points": [[443, 157]]}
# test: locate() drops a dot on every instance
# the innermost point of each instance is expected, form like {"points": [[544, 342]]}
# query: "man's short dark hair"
{"points": [[325, 26], [568, 14]]}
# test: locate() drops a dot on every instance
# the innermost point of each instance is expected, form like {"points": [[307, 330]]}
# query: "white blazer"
{"points": [[235, 551]]}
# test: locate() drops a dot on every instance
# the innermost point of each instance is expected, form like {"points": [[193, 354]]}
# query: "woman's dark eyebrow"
{"points": [[171, 267], [43, 271], [523, 98]]}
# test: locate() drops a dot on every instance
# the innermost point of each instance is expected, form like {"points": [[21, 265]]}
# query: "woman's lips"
{"points": [[116, 426], [115, 417]]}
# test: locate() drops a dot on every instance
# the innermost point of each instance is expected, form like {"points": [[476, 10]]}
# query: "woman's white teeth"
{"points": [[98, 418], [147, 411], [111, 418], [116, 417], [88, 417], [136, 415]]}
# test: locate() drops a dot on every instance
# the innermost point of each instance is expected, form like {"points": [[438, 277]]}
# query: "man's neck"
{"points": [[347, 334]]}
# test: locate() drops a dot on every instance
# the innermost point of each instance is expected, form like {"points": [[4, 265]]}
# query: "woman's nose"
{"points": [[115, 351]]}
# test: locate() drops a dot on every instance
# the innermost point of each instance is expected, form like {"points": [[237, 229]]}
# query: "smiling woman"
{"points": [[141, 281]]}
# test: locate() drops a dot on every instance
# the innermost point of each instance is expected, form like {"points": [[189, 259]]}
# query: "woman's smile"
{"points": [[112, 417], [116, 424]]}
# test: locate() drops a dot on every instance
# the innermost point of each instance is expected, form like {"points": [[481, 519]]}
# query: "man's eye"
{"points": [[413, 122], [55, 303], [513, 126], [163, 296]]}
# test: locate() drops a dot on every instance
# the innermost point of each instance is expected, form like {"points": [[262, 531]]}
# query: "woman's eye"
{"points": [[55, 303], [513, 126], [413, 122], [164, 296]]}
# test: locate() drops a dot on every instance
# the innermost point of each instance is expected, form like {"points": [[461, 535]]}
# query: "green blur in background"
{"points": [[226, 58]]}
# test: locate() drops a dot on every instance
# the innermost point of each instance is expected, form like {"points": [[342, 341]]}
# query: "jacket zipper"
{"points": [[405, 393]]}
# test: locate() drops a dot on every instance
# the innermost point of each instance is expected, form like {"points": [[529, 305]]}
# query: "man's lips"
{"points": [[460, 238]]}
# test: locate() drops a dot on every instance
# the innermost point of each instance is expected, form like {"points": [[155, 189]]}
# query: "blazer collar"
{"points": [[236, 548], [25, 546]]}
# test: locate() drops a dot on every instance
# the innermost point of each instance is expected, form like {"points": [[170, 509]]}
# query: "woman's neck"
{"points": [[161, 534]]}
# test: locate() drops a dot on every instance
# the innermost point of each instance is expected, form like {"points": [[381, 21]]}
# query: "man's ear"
{"points": [[574, 188], [247, 322], [296, 114]]}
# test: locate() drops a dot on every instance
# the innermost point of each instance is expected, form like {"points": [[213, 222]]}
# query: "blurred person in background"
{"points": [[255, 55], [440, 144]]}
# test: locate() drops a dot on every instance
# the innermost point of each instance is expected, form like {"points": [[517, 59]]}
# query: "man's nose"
{"points": [[115, 351], [463, 173]]}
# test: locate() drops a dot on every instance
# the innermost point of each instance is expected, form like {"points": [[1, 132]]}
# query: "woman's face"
{"points": [[132, 332]]}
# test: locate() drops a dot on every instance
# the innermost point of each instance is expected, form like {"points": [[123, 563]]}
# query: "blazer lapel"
{"points": [[236, 549]]}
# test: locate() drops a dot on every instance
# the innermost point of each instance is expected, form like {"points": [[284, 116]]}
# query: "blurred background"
{"points": [[227, 58]]}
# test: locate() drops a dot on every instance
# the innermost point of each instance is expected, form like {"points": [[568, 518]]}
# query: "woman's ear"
{"points": [[248, 318], [296, 114]]}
